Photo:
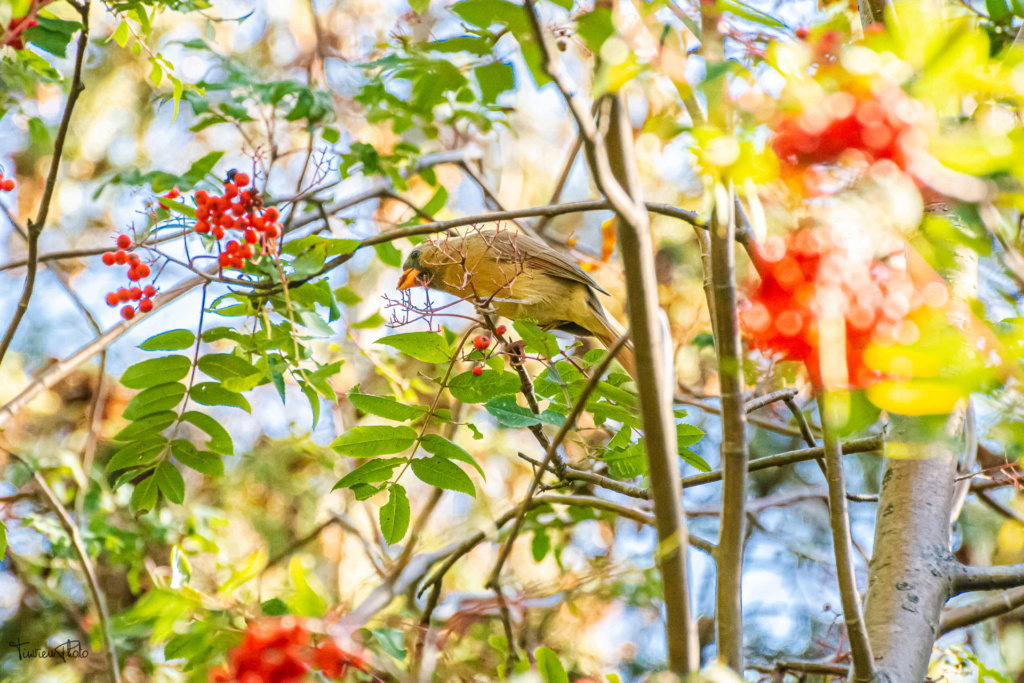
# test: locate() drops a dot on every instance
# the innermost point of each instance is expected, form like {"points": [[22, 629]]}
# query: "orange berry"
{"points": [[232, 246], [477, 371], [149, 291], [127, 312], [241, 179], [109, 259], [146, 305], [481, 342], [7, 185], [143, 270], [224, 259], [250, 236], [272, 214], [218, 232], [135, 293], [113, 299], [124, 241], [122, 294], [134, 274], [121, 257]]}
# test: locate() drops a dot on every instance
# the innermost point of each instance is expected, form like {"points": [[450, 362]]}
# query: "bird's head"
{"points": [[412, 270]]}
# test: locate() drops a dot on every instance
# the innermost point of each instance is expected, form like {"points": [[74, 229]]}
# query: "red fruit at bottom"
{"points": [[146, 305], [113, 299], [149, 291], [501, 329], [122, 294], [124, 241], [134, 293], [127, 312], [477, 371], [109, 259]]}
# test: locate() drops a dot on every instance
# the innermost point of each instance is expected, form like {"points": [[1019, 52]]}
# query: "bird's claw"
{"points": [[485, 309]]}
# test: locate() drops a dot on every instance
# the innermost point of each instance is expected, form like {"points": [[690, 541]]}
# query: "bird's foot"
{"points": [[516, 352]]}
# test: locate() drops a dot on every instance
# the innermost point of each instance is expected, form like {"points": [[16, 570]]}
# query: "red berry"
{"points": [[224, 259], [481, 342], [273, 230], [127, 312], [121, 257], [143, 270], [232, 246], [134, 260], [230, 190], [272, 214], [7, 185], [218, 232], [801, 33], [149, 291], [202, 227], [113, 299], [122, 294], [124, 241], [202, 197], [146, 305], [241, 179], [109, 259], [246, 251], [135, 274], [501, 329], [477, 371], [134, 293], [250, 236]]}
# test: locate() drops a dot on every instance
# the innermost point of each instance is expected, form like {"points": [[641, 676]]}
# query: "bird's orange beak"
{"points": [[408, 279]]}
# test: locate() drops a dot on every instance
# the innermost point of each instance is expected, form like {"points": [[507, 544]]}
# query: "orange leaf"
{"points": [[607, 238]]}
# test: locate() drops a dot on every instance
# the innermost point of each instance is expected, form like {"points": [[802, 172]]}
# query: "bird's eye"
{"points": [[415, 253]]}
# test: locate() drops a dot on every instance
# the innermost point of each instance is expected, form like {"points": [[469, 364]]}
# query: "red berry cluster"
{"points": [[137, 270], [808, 277], [242, 210], [15, 28], [279, 651], [480, 343], [860, 127], [6, 184]]}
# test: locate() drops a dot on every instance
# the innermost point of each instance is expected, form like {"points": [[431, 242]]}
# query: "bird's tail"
{"points": [[608, 332]]}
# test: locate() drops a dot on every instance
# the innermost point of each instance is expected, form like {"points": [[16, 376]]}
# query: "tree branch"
{"points": [[965, 578], [35, 228], [842, 541], [729, 348], [980, 610]]}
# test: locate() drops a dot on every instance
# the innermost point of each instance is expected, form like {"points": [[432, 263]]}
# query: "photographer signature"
{"points": [[70, 649]]}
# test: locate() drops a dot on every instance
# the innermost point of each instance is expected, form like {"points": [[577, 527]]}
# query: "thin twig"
{"points": [[90, 573]]}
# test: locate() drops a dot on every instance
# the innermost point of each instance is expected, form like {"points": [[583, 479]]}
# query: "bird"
{"points": [[521, 278]]}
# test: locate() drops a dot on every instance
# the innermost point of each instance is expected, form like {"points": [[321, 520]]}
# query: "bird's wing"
{"points": [[519, 247]]}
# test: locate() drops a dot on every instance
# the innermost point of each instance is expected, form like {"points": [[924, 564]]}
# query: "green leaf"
{"points": [[144, 496], [486, 13], [121, 34], [374, 321], [214, 394], [155, 422], [469, 388], [330, 135], [626, 463], [382, 406], [435, 444], [220, 440], [201, 167], [155, 399], [541, 544], [688, 434], [391, 640], [394, 515], [304, 601], [747, 12], [379, 469], [3, 540], [275, 607], [428, 347], [169, 341], [170, 482], [137, 454], [248, 570], [595, 27], [346, 296], [510, 414], [373, 440], [183, 209], [549, 667], [201, 461], [155, 371], [225, 366], [389, 254], [536, 340], [494, 79], [52, 34], [443, 474]]}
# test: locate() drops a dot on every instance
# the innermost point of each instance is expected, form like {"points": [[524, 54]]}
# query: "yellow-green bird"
{"points": [[521, 277]]}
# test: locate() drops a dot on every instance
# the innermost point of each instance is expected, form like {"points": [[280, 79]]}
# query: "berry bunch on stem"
{"points": [[241, 210], [137, 270], [279, 650], [810, 278], [6, 184]]}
